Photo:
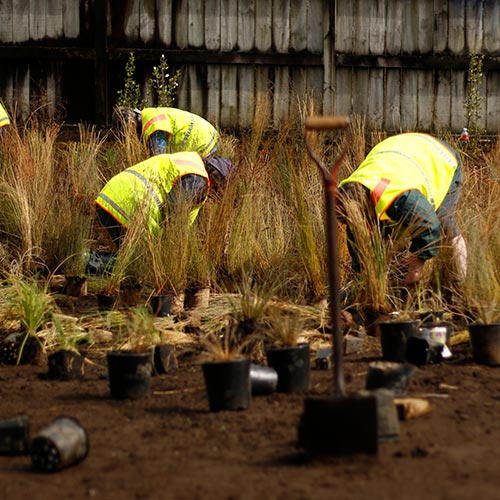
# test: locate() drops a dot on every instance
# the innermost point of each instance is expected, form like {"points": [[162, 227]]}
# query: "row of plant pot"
{"points": [[421, 343]]}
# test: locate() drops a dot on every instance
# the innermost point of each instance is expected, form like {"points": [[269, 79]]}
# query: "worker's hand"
{"points": [[414, 270]]}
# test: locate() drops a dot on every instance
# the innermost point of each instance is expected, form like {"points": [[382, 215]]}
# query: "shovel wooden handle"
{"points": [[326, 122]]}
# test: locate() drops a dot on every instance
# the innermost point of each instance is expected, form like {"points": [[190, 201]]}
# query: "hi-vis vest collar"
{"points": [[4, 117], [405, 162]]}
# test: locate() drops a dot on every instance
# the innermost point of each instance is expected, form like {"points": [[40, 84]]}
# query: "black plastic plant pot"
{"points": [[485, 343], [106, 302], [422, 352], [227, 384], [62, 443], [129, 374], [264, 380], [339, 425], [163, 359], [76, 286], [293, 367], [394, 336], [161, 305], [390, 375], [14, 436], [65, 365]]}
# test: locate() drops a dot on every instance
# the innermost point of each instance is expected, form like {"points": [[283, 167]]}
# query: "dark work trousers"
{"points": [[112, 226]]}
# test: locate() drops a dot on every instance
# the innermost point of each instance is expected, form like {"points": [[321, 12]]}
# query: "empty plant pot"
{"points": [[389, 375], [161, 305], [228, 384], [163, 359], [485, 343], [197, 297], [264, 380], [293, 367], [62, 443], [339, 425], [394, 336], [14, 436], [65, 365], [129, 374]]}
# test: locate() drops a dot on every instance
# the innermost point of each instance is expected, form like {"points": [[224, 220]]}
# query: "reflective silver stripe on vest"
{"points": [[149, 187], [211, 145], [411, 160], [451, 160], [116, 207], [188, 133]]}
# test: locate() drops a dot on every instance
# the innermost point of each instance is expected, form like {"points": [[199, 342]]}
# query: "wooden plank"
{"points": [[376, 98], [392, 107], [344, 92], [409, 38], [196, 37], [458, 93], [213, 96], [299, 92], [491, 22], [165, 21], [281, 25], [37, 20], [360, 44], [343, 30], [281, 95], [263, 25], [71, 18], [360, 81], [425, 10], [394, 25], [147, 20], [229, 25], [377, 33], [314, 84], [181, 24], [441, 13], [456, 23], [21, 93], [132, 20], [315, 28], [425, 100], [246, 25], [6, 22], [408, 101], [262, 88], [212, 24], [442, 100], [329, 58], [246, 95], [196, 90], [492, 102], [299, 13], [52, 89], [229, 96], [54, 18], [474, 27]]}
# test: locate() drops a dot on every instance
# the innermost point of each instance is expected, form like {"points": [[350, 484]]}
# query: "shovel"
{"points": [[341, 424]]}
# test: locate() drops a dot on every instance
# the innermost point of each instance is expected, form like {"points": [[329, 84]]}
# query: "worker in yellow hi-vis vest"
{"points": [[170, 130], [4, 117], [410, 180], [155, 186]]}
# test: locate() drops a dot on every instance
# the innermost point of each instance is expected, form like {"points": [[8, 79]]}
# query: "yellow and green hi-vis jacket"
{"points": [[4, 117], [187, 131], [146, 185]]}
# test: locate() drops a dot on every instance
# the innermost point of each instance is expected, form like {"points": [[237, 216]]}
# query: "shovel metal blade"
{"points": [[339, 425]]}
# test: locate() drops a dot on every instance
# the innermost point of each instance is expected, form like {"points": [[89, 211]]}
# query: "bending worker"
{"points": [[160, 181], [411, 180], [171, 130]]}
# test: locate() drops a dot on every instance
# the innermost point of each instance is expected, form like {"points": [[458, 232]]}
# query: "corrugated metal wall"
{"points": [[402, 63]]}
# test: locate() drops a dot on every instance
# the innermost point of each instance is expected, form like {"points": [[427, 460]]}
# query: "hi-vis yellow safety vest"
{"points": [[145, 186], [187, 131], [4, 117], [405, 162]]}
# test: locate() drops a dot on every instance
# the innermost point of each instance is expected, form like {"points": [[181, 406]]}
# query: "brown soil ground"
{"points": [[169, 445]]}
